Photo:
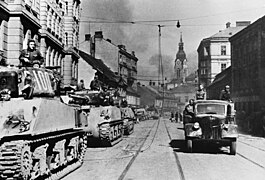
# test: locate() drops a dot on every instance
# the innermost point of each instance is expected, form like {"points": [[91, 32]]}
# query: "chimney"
{"points": [[133, 53], [87, 37], [121, 46], [228, 24], [242, 23], [98, 34]]}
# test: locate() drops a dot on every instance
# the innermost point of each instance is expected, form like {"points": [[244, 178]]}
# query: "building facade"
{"points": [[221, 80], [53, 24], [119, 60], [214, 53], [182, 94], [248, 67]]}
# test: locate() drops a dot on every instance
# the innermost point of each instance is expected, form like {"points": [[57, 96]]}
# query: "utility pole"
{"points": [[160, 68]]}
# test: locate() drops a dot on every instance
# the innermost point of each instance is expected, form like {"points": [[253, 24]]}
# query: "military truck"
{"points": [[213, 121]]}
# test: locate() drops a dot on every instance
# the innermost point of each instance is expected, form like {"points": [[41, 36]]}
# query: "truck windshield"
{"points": [[211, 109]]}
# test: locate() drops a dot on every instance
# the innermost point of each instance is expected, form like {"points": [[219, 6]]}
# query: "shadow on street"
{"points": [[179, 145]]}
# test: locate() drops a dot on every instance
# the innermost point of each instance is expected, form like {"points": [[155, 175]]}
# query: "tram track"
{"points": [[180, 170], [127, 168], [247, 158], [255, 147]]}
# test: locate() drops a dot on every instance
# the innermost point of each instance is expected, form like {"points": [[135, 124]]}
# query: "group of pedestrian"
{"points": [[176, 117]]}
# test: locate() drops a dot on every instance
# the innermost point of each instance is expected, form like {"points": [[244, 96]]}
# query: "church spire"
{"points": [[181, 55], [181, 44]]}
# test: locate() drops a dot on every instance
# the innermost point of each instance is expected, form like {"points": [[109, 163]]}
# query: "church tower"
{"points": [[180, 68]]}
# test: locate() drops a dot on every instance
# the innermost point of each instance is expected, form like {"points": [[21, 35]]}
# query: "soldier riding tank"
{"points": [[40, 137], [104, 119]]}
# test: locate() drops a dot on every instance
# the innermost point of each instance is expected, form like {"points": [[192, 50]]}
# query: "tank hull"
{"points": [[40, 138], [105, 124]]}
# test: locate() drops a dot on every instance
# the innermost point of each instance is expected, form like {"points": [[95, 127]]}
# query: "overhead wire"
{"points": [[149, 22]]}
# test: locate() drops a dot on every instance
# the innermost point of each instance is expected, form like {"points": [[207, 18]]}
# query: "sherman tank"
{"points": [[40, 137], [104, 119]]}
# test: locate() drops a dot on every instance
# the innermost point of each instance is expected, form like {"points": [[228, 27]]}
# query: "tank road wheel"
{"points": [[26, 161], [111, 135], [35, 169], [233, 148], [55, 160], [70, 153], [189, 145], [82, 147]]}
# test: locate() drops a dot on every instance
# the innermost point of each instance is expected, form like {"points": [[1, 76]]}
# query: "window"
{"points": [[2, 35], [203, 71], [223, 50], [66, 39], [203, 63], [207, 51], [178, 73], [223, 66], [66, 7], [186, 98], [211, 109]]}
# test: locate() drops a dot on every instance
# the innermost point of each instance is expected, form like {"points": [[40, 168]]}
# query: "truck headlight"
{"points": [[196, 125], [225, 127]]}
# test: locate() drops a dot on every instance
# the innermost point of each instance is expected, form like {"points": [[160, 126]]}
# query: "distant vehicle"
{"points": [[213, 121], [152, 113], [141, 114]]}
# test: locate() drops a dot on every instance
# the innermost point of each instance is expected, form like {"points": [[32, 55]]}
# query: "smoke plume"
{"points": [[119, 12]]}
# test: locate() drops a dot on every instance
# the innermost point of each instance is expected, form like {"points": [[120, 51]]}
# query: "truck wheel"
{"points": [[189, 145], [233, 148]]}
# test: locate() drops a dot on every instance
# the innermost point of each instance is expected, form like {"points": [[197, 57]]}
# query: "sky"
{"points": [[199, 19]]}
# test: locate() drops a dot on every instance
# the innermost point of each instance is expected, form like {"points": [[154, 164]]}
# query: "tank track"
{"points": [[17, 161], [111, 133]]}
